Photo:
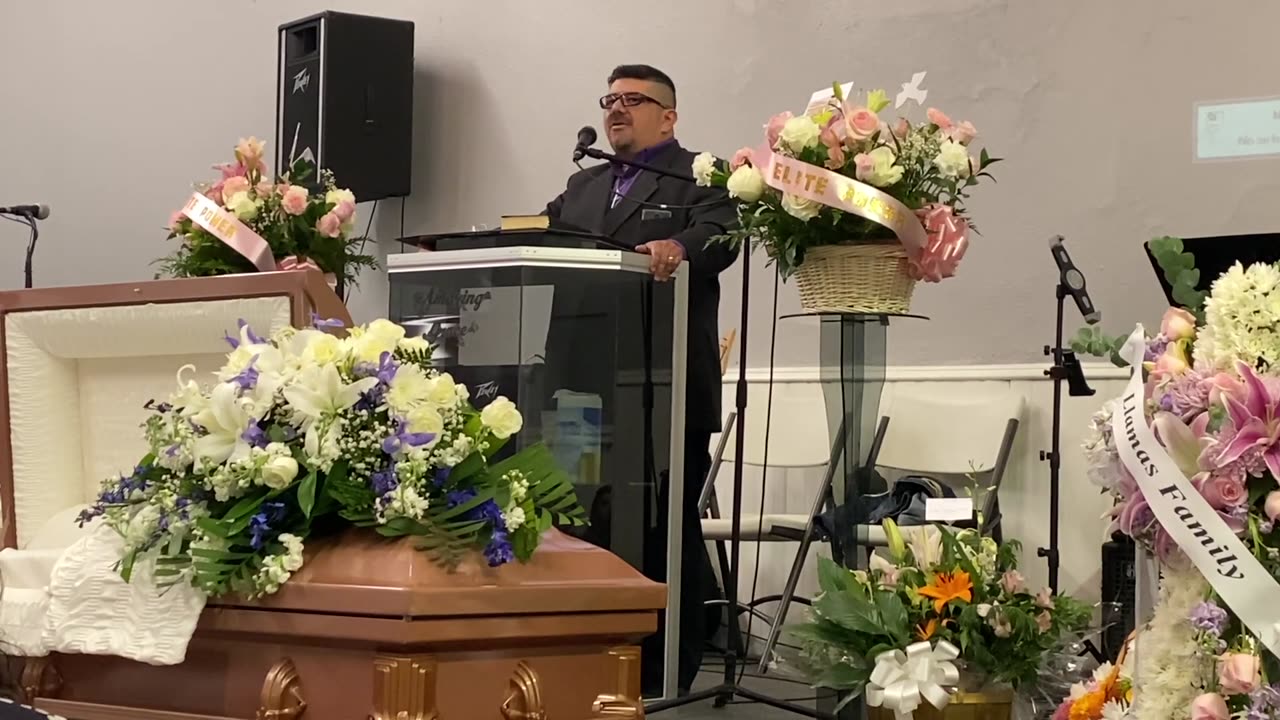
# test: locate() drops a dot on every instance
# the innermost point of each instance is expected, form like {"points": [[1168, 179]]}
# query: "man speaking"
{"points": [[622, 202]]}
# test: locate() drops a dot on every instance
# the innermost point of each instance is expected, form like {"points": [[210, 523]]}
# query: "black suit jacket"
{"points": [[585, 204]]}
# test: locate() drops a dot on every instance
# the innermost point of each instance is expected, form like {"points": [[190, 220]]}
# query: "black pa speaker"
{"points": [[345, 100], [1119, 592]]}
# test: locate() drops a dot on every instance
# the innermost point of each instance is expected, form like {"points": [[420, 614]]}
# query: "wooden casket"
{"points": [[368, 628]]}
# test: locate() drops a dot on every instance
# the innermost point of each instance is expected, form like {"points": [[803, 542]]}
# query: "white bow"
{"points": [[900, 679]]}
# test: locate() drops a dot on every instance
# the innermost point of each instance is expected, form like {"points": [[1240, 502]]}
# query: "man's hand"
{"points": [[664, 257]]}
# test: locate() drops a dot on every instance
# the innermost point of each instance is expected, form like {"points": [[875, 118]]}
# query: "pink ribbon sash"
{"points": [[228, 228]]}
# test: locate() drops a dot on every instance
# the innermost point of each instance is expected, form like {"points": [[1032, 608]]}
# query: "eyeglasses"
{"points": [[629, 99]]}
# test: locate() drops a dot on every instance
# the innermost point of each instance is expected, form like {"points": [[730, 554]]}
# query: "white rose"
{"points": [[425, 419], [799, 207], [335, 197], [502, 418], [877, 167], [243, 206], [746, 183], [279, 471], [703, 167], [376, 338], [799, 133], [952, 160], [323, 348]]}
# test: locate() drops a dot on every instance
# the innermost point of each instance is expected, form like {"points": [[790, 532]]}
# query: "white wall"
{"points": [[1024, 494], [110, 110]]}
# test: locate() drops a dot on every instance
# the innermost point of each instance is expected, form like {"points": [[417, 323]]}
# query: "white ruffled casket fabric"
{"points": [[78, 380]]}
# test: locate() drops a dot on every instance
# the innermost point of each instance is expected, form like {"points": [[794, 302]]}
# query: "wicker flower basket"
{"points": [[987, 705], [855, 279]]}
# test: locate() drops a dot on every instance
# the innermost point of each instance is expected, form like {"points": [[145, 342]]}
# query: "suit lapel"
{"points": [[642, 189], [596, 201]]}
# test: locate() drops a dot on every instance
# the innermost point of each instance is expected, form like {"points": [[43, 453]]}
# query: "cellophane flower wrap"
{"points": [[306, 221], [1212, 376], [929, 164], [935, 585], [305, 432]]}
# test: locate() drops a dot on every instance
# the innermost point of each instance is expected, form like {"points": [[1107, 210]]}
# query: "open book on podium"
{"points": [[575, 330]]}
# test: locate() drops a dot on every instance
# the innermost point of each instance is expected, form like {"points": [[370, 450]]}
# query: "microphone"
{"points": [[586, 138], [1072, 282], [39, 212]]}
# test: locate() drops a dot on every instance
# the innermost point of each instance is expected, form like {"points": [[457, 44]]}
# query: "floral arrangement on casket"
{"points": [[1209, 389], [858, 208], [245, 222], [304, 430], [899, 630]]}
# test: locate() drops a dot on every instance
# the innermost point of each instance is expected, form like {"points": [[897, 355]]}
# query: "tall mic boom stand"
{"points": [[729, 688]]}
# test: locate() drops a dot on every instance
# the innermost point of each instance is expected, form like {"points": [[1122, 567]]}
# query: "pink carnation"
{"points": [[294, 200], [740, 158], [939, 118]]}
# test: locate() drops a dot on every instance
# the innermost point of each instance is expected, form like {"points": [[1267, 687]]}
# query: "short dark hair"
{"points": [[644, 72]]}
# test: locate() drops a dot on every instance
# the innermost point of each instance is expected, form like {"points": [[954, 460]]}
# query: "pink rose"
{"points": [[835, 149], [1000, 625], [740, 158], [265, 188], [1272, 505], [774, 128], [1177, 324], [215, 193], [1044, 621], [329, 225], [939, 118], [902, 128], [177, 217], [1013, 582], [1223, 493], [233, 185], [1209, 706], [344, 210], [294, 200], [1044, 599], [861, 123], [1239, 673], [963, 133]]}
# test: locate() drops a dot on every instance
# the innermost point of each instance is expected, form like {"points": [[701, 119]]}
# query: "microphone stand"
{"points": [[30, 221], [1065, 367], [610, 157]]}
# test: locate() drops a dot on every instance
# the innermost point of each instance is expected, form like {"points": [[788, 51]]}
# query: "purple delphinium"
{"points": [[1210, 618], [254, 435], [248, 378], [442, 477], [248, 331], [384, 481], [333, 323], [1264, 703], [387, 367], [498, 551], [403, 439], [261, 523]]}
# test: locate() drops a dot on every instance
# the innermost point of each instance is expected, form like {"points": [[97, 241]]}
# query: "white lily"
{"points": [[319, 392], [188, 397], [225, 419]]}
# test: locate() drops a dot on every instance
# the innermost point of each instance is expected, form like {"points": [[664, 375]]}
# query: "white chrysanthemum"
{"points": [[1115, 710], [1242, 314], [408, 389], [1166, 682]]}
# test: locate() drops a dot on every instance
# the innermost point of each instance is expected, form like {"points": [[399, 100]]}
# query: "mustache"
{"points": [[619, 118]]}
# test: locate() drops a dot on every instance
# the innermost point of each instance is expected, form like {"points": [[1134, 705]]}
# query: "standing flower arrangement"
{"points": [[251, 222], [953, 595], [1210, 392], [303, 430], [840, 175]]}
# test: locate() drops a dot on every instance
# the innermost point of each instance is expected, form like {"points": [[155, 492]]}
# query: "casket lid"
{"points": [[361, 573]]}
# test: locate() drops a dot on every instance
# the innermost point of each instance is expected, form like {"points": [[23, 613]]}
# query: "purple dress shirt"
{"points": [[624, 176]]}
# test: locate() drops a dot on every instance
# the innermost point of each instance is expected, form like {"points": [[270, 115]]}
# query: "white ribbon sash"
{"points": [[1235, 574], [899, 680]]}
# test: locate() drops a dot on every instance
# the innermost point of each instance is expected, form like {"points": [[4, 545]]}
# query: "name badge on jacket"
{"points": [[647, 214]]}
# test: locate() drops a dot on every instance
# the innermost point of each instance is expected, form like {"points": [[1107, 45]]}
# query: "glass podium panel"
{"points": [[591, 350]]}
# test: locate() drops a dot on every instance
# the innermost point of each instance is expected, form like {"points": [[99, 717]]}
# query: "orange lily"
{"points": [[926, 631], [946, 587]]}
